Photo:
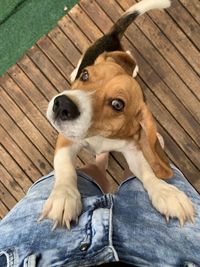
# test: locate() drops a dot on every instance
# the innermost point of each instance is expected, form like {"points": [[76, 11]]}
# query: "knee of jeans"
{"points": [[130, 184]]}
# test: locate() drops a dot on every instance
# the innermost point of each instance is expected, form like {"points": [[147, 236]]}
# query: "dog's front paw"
{"points": [[62, 206], [172, 202]]}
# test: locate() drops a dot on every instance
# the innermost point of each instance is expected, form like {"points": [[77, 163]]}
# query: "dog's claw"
{"points": [[55, 225], [192, 219], [44, 214], [167, 218], [41, 218], [68, 224], [182, 222]]}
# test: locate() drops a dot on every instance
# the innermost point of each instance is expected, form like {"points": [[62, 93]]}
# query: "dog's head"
{"points": [[107, 101]]}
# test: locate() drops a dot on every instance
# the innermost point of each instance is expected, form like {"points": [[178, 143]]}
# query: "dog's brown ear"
{"points": [[124, 59], [150, 145]]}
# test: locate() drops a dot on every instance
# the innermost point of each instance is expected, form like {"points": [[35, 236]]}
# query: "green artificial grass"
{"points": [[23, 22], [8, 7]]}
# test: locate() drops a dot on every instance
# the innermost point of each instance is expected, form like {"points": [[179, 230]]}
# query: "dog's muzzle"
{"points": [[65, 109], [70, 113]]}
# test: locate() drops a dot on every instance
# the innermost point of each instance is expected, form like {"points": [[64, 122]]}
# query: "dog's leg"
{"points": [[166, 198], [64, 202]]}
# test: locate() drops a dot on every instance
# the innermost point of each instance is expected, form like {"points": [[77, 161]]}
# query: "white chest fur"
{"points": [[99, 144]]}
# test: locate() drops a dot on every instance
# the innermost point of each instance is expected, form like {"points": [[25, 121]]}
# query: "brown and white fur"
{"points": [[104, 111]]}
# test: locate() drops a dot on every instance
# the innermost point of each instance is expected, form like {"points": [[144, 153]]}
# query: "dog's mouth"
{"points": [[70, 113]]}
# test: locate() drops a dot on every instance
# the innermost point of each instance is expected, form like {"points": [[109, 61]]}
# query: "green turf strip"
{"points": [[8, 7], [23, 22]]}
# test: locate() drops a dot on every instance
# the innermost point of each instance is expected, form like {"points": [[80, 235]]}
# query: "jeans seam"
{"points": [[110, 231]]}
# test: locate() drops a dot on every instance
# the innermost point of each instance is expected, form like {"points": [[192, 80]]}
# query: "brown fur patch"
{"points": [[109, 79], [150, 145], [62, 141]]}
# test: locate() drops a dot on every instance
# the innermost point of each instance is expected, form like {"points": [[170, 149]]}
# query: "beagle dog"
{"points": [[105, 110]]}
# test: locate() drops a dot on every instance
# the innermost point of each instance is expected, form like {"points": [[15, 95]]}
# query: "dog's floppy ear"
{"points": [[124, 59], [150, 144]]}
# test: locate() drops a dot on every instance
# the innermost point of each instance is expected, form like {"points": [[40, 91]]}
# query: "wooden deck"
{"points": [[166, 46]]}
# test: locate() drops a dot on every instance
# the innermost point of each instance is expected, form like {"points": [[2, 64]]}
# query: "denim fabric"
{"points": [[142, 235], [122, 226]]}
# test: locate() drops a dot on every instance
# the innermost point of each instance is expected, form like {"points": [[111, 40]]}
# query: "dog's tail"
{"points": [[111, 41], [133, 12]]}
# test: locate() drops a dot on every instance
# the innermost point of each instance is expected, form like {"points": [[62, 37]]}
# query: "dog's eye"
{"points": [[117, 104], [84, 75]]}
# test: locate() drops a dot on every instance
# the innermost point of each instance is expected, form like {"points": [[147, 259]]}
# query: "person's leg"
{"points": [[141, 235], [24, 239], [98, 171]]}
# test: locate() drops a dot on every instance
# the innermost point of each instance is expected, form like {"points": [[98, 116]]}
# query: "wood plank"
{"points": [[11, 184], [165, 47], [37, 77], [23, 141], [19, 157], [14, 169], [70, 29], [193, 7], [29, 105], [120, 159], [186, 22], [28, 88], [58, 59], [6, 198], [27, 127], [77, 15], [48, 69], [71, 47], [115, 169], [64, 44], [3, 210], [179, 39]]}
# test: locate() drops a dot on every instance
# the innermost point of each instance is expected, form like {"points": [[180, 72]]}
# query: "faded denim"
{"points": [[122, 226]]}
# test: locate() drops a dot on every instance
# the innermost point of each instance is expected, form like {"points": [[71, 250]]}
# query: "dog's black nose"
{"points": [[64, 108]]}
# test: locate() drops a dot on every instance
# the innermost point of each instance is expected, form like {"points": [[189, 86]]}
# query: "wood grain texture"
{"points": [[166, 47]]}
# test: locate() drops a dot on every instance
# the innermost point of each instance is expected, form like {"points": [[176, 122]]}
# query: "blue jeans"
{"points": [[122, 226]]}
